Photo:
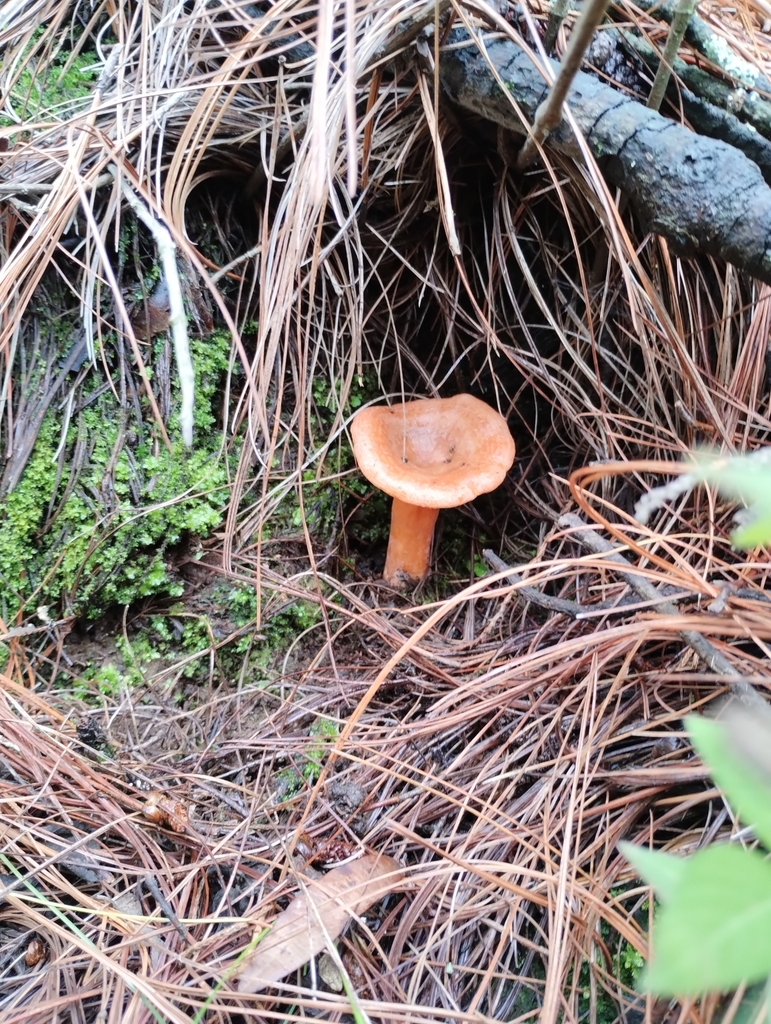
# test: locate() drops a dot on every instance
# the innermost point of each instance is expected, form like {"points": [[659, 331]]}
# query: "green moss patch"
{"points": [[51, 86], [105, 538]]}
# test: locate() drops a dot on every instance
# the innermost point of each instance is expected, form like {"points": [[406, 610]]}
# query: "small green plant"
{"points": [[600, 1006], [184, 642], [108, 681], [324, 731], [284, 627], [630, 963], [105, 681], [50, 87], [625, 967], [713, 931], [240, 600], [291, 780], [745, 478], [480, 567], [109, 534]]}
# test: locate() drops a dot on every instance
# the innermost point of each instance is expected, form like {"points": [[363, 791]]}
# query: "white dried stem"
{"points": [[660, 496], [167, 251]]}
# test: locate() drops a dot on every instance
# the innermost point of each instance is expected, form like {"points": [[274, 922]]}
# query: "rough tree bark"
{"points": [[701, 194], [710, 101]]}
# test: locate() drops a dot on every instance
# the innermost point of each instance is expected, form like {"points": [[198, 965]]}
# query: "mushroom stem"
{"points": [[409, 544]]}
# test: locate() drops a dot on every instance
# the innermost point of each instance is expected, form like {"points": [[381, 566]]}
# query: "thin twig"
{"points": [[562, 606], [558, 11], [552, 604], [683, 11], [155, 891], [714, 660], [549, 113]]}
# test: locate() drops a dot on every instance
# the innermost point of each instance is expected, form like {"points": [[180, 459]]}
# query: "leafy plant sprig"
{"points": [[713, 932]]}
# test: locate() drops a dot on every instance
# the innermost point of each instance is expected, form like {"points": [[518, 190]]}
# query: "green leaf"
{"points": [[756, 529], [726, 746], [715, 931], [664, 871], [745, 478]]}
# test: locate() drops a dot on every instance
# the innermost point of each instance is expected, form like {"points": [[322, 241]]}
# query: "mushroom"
{"points": [[429, 454]]}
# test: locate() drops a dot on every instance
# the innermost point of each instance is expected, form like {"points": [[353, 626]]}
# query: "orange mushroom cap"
{"points": [[433, 452]]}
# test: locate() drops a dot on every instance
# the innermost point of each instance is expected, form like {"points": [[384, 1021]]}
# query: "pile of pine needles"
{"points": [[364, 238]]}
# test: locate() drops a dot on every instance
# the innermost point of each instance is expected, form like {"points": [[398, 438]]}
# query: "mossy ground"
{"points": [[80, 539], [178, 640], [179, 656], [51, 86], [625, 966], [80, 547]]}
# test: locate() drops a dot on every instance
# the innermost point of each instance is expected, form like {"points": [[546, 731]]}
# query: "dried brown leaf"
{"points": [[318, 915]]}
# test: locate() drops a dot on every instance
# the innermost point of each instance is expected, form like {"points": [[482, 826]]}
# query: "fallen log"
{"points": [[700, 36], [701, 194], [709, 105]]}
